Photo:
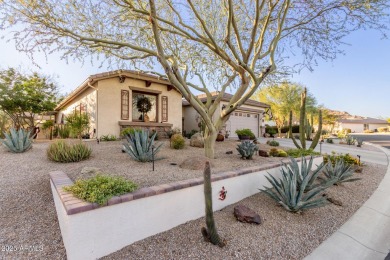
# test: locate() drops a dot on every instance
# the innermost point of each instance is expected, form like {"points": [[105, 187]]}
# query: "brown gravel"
{"points": [[28, 217]]}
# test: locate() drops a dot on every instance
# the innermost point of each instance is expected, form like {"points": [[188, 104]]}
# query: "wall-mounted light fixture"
{"points": [[223, 107]]}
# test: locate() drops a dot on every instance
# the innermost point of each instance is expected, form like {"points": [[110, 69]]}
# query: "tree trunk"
{"points": [[211, 233], [209, 143]]}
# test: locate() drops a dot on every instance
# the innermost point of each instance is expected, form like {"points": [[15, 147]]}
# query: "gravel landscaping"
{"points": [[28, 218]]}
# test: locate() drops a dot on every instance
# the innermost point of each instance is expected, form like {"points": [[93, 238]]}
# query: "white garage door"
{"points": [[240, 120]]}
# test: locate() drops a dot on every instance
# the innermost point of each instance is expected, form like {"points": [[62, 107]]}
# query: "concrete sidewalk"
{"points": [[366, 235]]}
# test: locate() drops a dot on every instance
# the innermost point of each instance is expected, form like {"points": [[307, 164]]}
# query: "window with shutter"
{"points": [[125, 105], [164, 105]]}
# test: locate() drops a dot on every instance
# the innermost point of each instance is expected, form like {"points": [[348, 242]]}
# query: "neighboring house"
{"points": [[249, 115], [360, 124], [110, 99]]}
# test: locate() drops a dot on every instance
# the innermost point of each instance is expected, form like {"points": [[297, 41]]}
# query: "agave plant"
{"points": [[17, 141], [293, 192], [350, 140], [340, 172], [247, 149], [139, 146]]}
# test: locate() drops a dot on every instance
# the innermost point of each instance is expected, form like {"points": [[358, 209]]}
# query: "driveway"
{"points": [[377, 157], [382, 139]]}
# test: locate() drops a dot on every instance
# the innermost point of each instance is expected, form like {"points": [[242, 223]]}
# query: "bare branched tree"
{"points": [[201, 45]]}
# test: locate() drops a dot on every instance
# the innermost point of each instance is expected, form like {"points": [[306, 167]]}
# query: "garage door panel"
{"points": [[240, 120]]}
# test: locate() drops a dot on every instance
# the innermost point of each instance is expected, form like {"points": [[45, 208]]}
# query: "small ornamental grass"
{"points": [[61, 151], [100, 188]]}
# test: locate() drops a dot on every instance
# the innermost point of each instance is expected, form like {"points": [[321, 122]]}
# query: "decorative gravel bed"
{"points": [[29, 226]]}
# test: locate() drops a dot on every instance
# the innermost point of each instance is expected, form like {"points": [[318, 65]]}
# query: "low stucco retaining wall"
{"points": [[90, 232]]}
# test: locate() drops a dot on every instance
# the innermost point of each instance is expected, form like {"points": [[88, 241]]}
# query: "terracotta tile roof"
{"points": [[226, 97]]}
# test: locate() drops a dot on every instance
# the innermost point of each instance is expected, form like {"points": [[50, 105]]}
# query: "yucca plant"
{"points": [[61, 151], [17, 141], [340, 172], [247, 149], [139, 146], [295, 191]]}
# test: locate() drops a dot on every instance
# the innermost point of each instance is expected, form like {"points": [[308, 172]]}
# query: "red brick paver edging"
{"points": [[74, 205]]}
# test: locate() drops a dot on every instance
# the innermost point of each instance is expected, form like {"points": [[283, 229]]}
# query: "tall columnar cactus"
{"points": [[305, 128], [210, 233]]}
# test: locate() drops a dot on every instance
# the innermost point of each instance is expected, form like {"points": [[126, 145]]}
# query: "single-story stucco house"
{"points": [[358, 125], [110, 99], [249, 115]]}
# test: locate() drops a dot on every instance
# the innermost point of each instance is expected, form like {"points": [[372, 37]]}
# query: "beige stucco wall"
{"points": [[88, 98], [109, 102], [376, 126]]}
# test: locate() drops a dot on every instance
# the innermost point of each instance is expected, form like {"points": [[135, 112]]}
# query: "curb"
{"points": [[366, 235]]}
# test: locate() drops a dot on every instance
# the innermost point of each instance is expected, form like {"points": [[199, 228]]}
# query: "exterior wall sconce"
{"points": [[223, 107]]}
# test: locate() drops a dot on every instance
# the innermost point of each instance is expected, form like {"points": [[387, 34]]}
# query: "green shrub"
{"points": [[108, 138], [139, 146], [17, 141], [177, 141], [247, 149], [272, 143], [274, 152], [329, 140], [282, 153], [61, 151], [383, 129], [100, 188], [340, 172], [78, 123], [296, 190], [296, 153], [347, 158], [347, 130], [285, 129], [47, 124], [245, 132]]}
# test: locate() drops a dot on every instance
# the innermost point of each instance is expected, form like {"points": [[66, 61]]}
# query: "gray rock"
{"points": [[197, 140], [245, 214], [90, 170]]}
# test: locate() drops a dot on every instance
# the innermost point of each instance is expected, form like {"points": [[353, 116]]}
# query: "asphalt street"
{"points": [[377, 157], [379, 139]]}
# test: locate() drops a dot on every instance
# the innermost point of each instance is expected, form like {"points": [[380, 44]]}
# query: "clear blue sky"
{"points": [[357, 82]]}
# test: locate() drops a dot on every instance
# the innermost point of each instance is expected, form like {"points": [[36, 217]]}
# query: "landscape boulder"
{"points": [[263, 153], [194, 163], [197, 140], [245, 214]]}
